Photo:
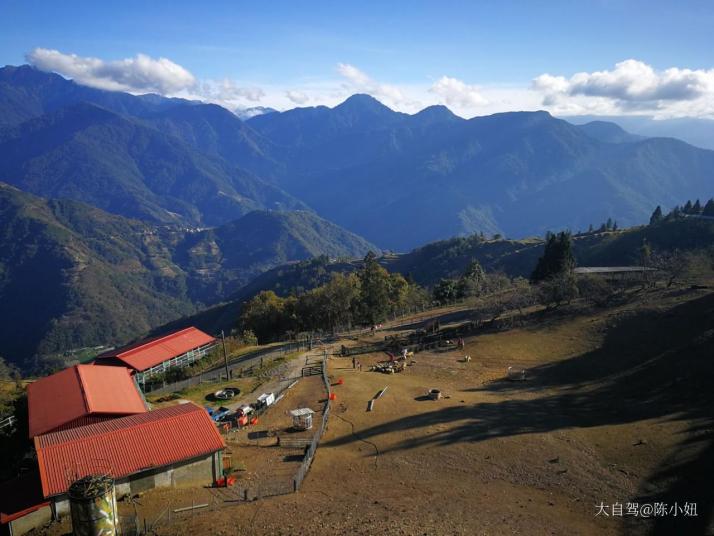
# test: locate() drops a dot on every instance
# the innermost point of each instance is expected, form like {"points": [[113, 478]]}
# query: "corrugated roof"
{"points": [[124, 446], [78, 392], [144, 355], [611, 269]]}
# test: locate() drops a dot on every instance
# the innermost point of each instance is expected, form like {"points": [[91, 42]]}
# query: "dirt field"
{"points": [[617, 409]]}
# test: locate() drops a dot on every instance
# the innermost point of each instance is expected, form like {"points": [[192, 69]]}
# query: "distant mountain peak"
{"points": [[608, 131], [362, 102], [437, 112], [246, 113]]}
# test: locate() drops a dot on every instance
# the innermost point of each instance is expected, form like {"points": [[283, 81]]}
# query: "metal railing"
{"points": [[310, 453], [236, 367]]}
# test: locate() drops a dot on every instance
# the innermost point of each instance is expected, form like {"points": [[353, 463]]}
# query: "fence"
{"points": [[310, 453], [283, 484], [8, 422], [288, 483], [236, 368]]}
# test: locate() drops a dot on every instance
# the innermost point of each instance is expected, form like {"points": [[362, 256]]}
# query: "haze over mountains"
{"points": [[698, 131], [163, 206], [360, 164], [402, 180]]}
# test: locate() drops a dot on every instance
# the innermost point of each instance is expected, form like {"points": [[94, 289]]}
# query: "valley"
{"points": [[352, 307]]}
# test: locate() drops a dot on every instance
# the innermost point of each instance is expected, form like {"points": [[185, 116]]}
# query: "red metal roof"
{"points": [[144, 355], [124, 446], [80, 391]]}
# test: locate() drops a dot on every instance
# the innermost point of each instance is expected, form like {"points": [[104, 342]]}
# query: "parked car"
{"points": [[224, 394], [219, 413]]}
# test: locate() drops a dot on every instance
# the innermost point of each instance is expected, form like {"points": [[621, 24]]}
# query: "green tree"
{"points": [[374, 291], [472, 281], [266, 316], [248, 338], [446, 291], [709, 208], [687, 207], [560, 288], [398, 289], [340, 298], [656, 216], [557, 257], [697, 207]]}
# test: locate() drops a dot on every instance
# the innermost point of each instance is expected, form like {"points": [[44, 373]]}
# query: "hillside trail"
{"points": [[284, 375]]}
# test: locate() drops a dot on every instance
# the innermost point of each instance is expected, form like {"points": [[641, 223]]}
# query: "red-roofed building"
{"points": [[80, 395], [156, 356], [172, 446]]}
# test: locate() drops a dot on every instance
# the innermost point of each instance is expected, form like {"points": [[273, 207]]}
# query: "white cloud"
{"points": [[229, 91], [297, 97], [454, 92], [140, 74], [358, 81], [631, 87]]}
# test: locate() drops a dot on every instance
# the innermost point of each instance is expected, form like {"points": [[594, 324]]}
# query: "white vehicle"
{"points": [[266, 399], [245, 409]]}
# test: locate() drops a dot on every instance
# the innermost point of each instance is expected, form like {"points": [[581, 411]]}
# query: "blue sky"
{"points": [[476, 57]]}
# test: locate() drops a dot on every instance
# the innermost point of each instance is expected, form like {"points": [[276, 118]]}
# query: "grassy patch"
{"points": [[198, 393]]}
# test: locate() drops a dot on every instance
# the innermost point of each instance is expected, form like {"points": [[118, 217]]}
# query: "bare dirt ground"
{"points": [[617, 409]]}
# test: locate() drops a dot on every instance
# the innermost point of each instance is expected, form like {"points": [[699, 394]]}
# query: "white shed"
{"points": [[302, 418]]}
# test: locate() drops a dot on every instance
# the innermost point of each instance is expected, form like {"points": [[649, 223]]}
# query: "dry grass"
{"points": [[618, 408]]}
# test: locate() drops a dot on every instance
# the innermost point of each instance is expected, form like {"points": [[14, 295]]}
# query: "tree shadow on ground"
{"points": [[652, 364]]}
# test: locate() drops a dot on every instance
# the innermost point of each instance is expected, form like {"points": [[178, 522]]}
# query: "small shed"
{"points": [[302, 418]]}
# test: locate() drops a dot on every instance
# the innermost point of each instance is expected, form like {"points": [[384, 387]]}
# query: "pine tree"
{"points": [[557, 258], [697, 208], [614, 225], [590, 229], [656, 216], [472, 280], [608, 224], [687, 207], [709, 208]]}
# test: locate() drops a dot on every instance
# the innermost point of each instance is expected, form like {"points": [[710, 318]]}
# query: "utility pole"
{"points": [[225, 354]]}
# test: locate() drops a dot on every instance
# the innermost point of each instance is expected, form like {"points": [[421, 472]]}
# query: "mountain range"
{"points": [[120, 212], [428, 264], [399, 180], [402, 180], [698, 131], [73, 276]]}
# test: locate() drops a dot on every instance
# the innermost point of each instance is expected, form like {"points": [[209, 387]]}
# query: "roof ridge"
{"points": [[154, 342], [85, 392]]}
